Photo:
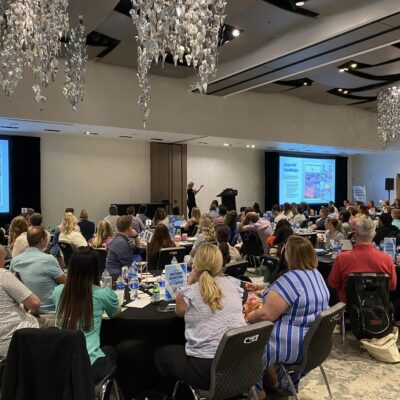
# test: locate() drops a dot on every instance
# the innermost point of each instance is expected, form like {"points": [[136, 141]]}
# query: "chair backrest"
{"points": [[102, 255], [236, 268], [317, 343], [47, 364], [271, 268], [166, 255], [237, 364], [66, 250], [252, 245]]}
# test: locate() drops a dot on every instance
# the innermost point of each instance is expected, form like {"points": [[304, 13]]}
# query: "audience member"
{"points": [[177, 214], [18, 227], [205, 233], [112, 218], [298, 216], [335, 210], [396, 217], [120, 252], [160, 240], [69, 210], [213, 213], [257, 209], [103, 236], [396, 203], [287, 211], [137, 223], [385, 206], [211, 304], [278, 214], [362, 212], [229, 253], [253, 222], [69, 232], [306, 209], [40, 272], [320, 222], [282, 233], [385, 228], [193, 223], [142, 214], [363, 258], [86, 227], [344, 217], [231, 219], [13, 294], [80, 305], [346, 204], [160, 217], [293, 302], [221, 217], [371, 208], [332, 211], [333, 232]]}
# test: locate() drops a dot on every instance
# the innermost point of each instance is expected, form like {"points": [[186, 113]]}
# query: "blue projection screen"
{"points": [[4, 177], [306, 179]]}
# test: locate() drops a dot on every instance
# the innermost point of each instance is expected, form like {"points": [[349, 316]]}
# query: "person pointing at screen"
{"points": [[191, 196]]}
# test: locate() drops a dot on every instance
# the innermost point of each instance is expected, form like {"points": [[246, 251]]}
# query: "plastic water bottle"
{"points": [[336, 249], [134, 286], [174, 260], [156, 294], [171, 230], [120, 289], [131, 272], [161, 285], [381, 245], [107, 279]]}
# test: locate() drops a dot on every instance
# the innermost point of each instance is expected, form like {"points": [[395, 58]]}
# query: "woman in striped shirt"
{"points": [[293, 302]]}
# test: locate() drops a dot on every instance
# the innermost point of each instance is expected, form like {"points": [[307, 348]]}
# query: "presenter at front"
{"points": [[191, 196]]}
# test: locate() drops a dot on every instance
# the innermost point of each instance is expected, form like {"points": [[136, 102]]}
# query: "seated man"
{"points": [[221, 215], [40, 272], [112, 218], [363, 258], [13, 293], [120, 252], [320, 222], [252, 222], [137, 223], [21, 243], [278, 214]]}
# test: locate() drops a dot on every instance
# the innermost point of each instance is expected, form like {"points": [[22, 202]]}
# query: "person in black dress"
{"points": [[191, 196]]}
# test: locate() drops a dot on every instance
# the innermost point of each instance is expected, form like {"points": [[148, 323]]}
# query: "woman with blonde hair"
{"points": [[18, 227], [292, 302], [69, 231], [205, 232], [211, 304], [103, 236], [193, 222]]}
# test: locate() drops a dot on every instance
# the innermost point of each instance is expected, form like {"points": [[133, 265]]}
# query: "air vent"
{"points": [[125, 137], [51, 130], [156, 139], [8, 127]]}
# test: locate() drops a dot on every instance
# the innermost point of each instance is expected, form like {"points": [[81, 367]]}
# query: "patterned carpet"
{"points": [[354, 375]]}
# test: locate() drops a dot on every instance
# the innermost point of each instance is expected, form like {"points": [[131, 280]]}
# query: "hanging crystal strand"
{"points": [[388, 115], [187, 29], [75, 65]]}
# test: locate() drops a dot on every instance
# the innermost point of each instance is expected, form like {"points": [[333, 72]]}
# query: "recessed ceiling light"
{"points": [[247, 146], [345, 91], [253, 146], [90, 133], [236, 33], [125, 137], [353, 65], [343, 69], [299, 3], [340, 90], [227, 145]]}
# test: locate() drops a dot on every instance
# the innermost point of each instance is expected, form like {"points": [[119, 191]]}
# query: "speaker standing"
{"points": [[191, 196]]}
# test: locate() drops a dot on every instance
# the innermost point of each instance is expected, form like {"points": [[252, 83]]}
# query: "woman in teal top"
{"points": [[80, 304]]}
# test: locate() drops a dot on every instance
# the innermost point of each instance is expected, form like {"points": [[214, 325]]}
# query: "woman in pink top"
{"points": [[103, 236]]}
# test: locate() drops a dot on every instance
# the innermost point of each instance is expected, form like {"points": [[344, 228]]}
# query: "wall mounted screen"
{"points": [[4, 177], [306, 179]]}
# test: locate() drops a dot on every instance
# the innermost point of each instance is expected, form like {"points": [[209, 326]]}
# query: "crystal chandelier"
{"points": [[186, 29], [388, 115], [30, 36]]}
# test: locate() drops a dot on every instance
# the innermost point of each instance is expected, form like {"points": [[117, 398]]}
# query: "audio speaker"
{"points": [[389, 184]]}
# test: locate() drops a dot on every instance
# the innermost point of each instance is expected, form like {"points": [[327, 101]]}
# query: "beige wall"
{"points": [[91, 173], [111, 100], [220, 168]]}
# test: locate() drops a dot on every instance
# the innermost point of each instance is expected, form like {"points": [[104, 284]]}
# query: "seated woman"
{"points": [[160, 217], [344, 218], [282, 233], [103, 237], [333, 233], [293, 302], [191, 226], [80, 304], [363, 212], [69, 231], [205, 233], [211, 304], [229, 253], [18, 229], [160, 240]]}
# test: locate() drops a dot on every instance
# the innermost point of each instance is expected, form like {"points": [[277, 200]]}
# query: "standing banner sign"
{"points": [[360, 194], [389, 247], [175, 276]]}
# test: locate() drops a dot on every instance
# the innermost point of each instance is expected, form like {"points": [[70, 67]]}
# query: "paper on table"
{"points": [[105, 316], [141, 302], [150, 279]]}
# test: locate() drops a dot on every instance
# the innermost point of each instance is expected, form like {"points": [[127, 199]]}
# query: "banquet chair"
{"points": [[104, 387], [271, 268], [66, 250], [236, 269], [102, 255], [166, 255], [252, 248], [237, 365], [317, 346]]}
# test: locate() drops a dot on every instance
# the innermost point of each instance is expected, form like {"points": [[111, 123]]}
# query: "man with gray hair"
{"points": [[364, 258]]}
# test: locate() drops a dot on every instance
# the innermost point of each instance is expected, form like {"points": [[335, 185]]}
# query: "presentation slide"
{"points": [[4, 177], [306, 179]]}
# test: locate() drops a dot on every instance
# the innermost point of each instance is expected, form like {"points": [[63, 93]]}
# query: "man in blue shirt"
{"points": [[38, 271], [120, 252]]}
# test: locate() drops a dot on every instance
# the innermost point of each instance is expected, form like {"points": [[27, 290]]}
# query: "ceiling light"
{"points": [[253, 146], [345, 91], [305, 83], [248, 146], [236, 33], [340, 90], [299, 3], [343, 69], [227, 145], [90, 133], [353, 65], [87, 133]]}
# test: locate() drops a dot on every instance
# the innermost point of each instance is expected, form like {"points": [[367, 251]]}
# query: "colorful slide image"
{"points": [[4, 178]]}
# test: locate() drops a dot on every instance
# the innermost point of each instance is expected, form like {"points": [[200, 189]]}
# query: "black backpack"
{"points": [[368, 306]]}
